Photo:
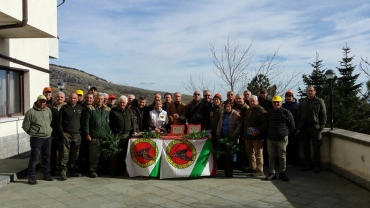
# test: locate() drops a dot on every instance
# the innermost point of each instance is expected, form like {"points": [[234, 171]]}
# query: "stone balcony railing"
{"points": [[347, 153]]}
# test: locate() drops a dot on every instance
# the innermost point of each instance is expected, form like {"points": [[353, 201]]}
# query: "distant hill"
{"points": [[78, 79]]}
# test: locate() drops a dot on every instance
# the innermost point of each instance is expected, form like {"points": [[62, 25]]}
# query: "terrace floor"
{"points": [[305, 189]]}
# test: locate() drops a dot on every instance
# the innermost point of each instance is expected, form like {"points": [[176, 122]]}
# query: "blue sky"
{"points": [[158, 44]]}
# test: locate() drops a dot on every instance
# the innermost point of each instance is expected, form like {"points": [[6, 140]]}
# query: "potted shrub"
{"points": [[227, 148], [111, 147]]}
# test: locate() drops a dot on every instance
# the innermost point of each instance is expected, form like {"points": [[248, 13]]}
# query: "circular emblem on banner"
{"points": [[181, 154], [144, 152]]}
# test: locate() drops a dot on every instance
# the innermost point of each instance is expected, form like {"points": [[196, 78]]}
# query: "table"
{"points": [[170, 157]]}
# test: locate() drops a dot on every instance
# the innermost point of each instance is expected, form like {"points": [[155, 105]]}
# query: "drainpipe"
{"points": [[61, 3], [24, 20]]}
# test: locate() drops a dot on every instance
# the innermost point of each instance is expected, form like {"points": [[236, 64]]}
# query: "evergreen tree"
{"points": [[346, 84], [347, 105], [316, 79], [261, 81]]}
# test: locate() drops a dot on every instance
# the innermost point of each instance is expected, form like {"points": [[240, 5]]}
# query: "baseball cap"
{"points": [[79, 92], [112, 96], [277, 98], [47, 89], [41, 97]]}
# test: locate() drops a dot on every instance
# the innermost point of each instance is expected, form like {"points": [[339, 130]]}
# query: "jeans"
{"points": [[37, 144]]}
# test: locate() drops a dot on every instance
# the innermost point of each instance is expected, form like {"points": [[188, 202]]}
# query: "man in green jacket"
{"points": [[121, 121], [255, 127], [37, 124], [311, 116], [96, 129], [69, 129]]}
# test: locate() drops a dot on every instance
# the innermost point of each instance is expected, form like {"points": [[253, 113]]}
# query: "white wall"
{"points": [[41, 14]]}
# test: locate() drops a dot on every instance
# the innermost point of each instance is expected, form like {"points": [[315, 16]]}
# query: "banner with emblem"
{"points": [[143, 157], [187, 158]]}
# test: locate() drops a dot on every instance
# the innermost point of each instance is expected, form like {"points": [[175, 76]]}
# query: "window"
{"points": [[11, 90]]}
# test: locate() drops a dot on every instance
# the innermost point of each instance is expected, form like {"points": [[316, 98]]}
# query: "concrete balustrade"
{"points": [[347, 153]]}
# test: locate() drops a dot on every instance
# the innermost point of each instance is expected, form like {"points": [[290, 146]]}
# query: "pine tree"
{"points": [[261, 81], [346, 84], [316, 79], [346, 99]]}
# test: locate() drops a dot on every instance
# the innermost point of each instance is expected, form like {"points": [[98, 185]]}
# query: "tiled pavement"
{"points": [[305, 189]]}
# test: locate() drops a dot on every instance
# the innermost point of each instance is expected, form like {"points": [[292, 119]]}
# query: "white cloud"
{"points": [[163, 42]]}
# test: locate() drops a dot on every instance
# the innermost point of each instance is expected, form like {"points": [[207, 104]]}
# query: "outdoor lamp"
{"points": [[61, 85], [330, 75]]}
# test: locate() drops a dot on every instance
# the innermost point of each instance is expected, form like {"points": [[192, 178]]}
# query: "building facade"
{"points": [[28, 39]]}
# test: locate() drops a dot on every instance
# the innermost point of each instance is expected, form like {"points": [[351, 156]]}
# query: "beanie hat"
{"points": [[218, 96], [289, 92]]}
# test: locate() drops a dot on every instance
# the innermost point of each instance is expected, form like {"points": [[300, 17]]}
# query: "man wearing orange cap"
{"points": [[111, 101], [47, 92], [292, 150], [281, 123]]}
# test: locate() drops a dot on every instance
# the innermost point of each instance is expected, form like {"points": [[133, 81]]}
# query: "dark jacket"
{"points": [[55, 122], [255, 118], [166, 105], [292, 107], [208, 104], [214, 117], [241, 109], [281, 122], [97, 121], [37, 122], [49, 103], [69, 119], [316, 114], [122, 121], [197, 113], [141, 118], [265, 103]]}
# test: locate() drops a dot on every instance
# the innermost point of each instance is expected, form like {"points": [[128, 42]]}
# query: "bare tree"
{"points": [[202, 85], [232, 62], [272, 68], [364, 68]]}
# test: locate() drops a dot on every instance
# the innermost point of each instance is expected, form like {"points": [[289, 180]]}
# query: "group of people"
{"points": [[69, 135]]}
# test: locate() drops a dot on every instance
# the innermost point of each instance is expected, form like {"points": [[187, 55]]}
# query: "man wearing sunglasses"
{"points": [[37, 124], [207, 98], [197, 112]]}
